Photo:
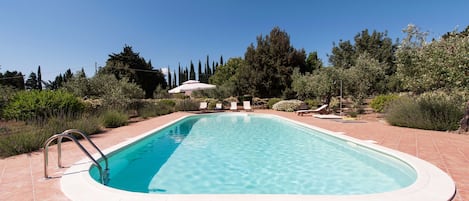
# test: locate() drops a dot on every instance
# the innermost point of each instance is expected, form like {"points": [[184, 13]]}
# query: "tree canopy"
{"points": [[270, 64], [441, 64], [128, 64], [377, 45], [14, 79]]}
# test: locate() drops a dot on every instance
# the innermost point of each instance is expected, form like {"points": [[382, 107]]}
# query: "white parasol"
{"points": [[191, 85]]}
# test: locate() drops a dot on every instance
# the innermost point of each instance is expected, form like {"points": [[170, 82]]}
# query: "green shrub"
{"points": [[165, 107], [26, 105], [352, 114], [114, 119], [187, 105], [334, 104], [312, 103], [92, 105], [150, 109], [167, 102], [19, 137], [260, 103], [22, 142], [287, 105], [212, 105], [244, 98], [379, 103], [147, 110], [90, 124], [272, 101], [431, 111], [6, 94]]}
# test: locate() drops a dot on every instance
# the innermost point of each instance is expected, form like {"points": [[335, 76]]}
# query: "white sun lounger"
{"points": [[203, 106], [320, 110], [234, 106], [247, 106], [218, 106]]}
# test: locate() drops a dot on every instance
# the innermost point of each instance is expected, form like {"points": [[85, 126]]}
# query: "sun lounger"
{"points": [[203, 106], [320, 110], [218, 106], [247, 106], [234, 106]]}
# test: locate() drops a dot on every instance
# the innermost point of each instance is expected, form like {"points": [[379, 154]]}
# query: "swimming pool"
{"points": [[256, 154]]}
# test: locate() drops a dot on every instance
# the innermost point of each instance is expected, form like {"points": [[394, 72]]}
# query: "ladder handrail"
{"points": [[68, 134], [71, 131]]}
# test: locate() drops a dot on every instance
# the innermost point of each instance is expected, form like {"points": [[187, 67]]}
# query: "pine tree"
{"points": [[221, 60], [67, 75], [31, 82], [131, 66]]}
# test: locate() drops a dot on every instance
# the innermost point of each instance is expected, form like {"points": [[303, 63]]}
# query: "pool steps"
{"points": [[69, 135]]}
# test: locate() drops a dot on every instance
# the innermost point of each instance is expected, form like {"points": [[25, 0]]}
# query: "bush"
{"points": [[187, 105], [431, 111], [287, 105], [7, 93], [260, 103], [92, 105], [150, 109], [245, 98], [272, 101], [334, 104], [167, 102], [352, 114], [25, 141], [147, 110], [26, 105], [312, 103], [18, 137], [211, 103], [90, 124], [114, 119], [114, 93], [379, 103]]}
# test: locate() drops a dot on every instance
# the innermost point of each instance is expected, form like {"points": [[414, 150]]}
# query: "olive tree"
{"points": [[441, 64]]}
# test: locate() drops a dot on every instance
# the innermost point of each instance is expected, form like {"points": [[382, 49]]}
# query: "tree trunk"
{"points": [[464, 123]]}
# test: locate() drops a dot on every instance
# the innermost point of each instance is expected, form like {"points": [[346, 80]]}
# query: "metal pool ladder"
{"points": [[104, 174]]}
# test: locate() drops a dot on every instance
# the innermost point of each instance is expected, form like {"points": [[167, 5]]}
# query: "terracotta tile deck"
{"points": [[22, 176]]}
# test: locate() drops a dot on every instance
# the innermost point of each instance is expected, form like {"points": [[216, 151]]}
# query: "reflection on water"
{"points": [[139, 162]]}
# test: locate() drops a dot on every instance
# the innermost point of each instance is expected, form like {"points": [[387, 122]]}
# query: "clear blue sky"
{"points": [[62, 34]]}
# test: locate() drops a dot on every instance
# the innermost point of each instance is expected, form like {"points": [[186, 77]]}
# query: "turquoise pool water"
{"points": [[252, 154]]}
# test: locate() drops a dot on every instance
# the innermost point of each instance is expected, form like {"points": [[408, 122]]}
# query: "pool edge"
{"points": [[428, 176]]}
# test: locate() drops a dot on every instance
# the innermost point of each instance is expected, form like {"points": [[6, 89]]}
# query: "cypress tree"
{"points": [[192, 72], [170, 81], [199, 71], [186, 74], [180, 75], [83, 74], [39, 78], [174, 80]]}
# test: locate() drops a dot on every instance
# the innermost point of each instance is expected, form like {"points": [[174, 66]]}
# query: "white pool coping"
{"points": [[432, 184]]}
